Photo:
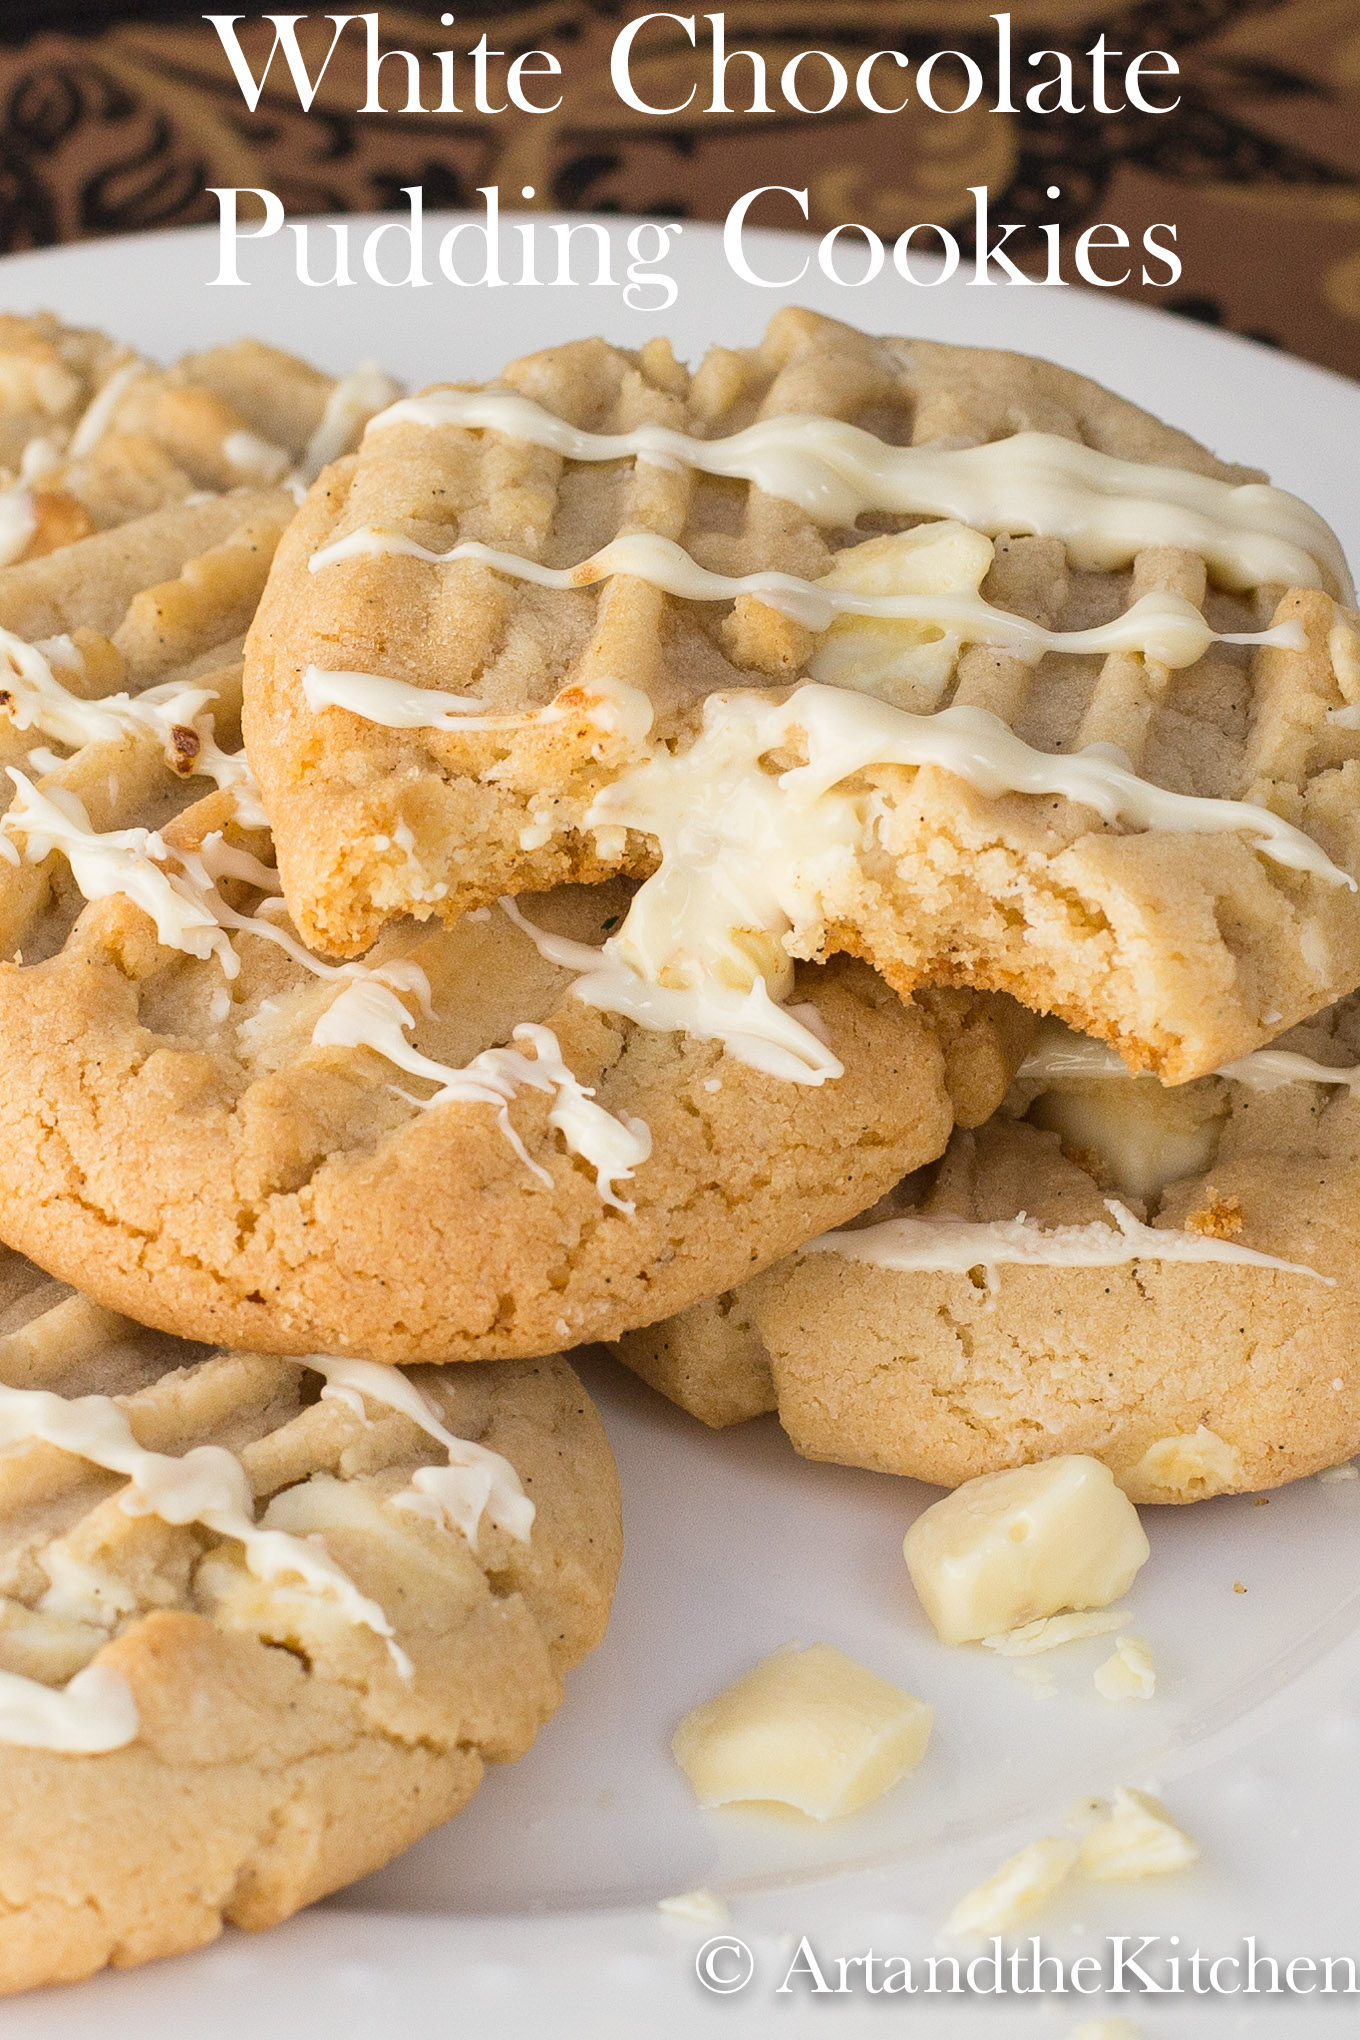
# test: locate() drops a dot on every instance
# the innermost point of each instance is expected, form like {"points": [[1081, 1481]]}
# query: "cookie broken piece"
{"points": [[92, 434], [271, 1710], [1057, 724], [1020, 1300]]}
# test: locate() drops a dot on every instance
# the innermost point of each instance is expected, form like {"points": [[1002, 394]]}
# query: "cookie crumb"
{"points": [[1218, 1218], [1238, 1587]]}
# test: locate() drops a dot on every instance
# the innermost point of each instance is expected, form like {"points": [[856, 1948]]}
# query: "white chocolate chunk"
{"points": [[904, 661], [1138, 1838], [1011, 1548], [1130, 1674], [1033, 1637], [18, 522], [1024, 1883], [1144, 1134], [1187, 1467], [702, 1906], [809, 1728]]}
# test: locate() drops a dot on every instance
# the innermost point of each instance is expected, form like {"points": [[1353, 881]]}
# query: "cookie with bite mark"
{"points": [[967, 666]]}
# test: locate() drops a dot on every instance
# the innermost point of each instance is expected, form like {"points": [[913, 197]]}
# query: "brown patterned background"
{"points": [[116, 118]]}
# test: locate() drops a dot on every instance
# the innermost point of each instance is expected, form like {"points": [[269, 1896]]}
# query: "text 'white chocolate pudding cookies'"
{"points": [[947, 658]]}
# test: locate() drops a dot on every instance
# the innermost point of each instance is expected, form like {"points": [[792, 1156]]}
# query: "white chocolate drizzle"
{"points": [[97, 417], [369, 1015], [135, 863], [476, 1481], [353, 399], [611, 705], [207, 1486], [753, 864], [93, 1712], [1105, 510], [1160, 625], [1061, 1056], [177, 889], [392, 703], [32, 697], [939, 1243], [848, 733]]}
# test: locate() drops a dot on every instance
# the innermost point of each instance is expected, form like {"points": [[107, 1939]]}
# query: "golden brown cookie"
{"points": [[91, 434], [260, 1626], [549, 628], [1165, 1279]]}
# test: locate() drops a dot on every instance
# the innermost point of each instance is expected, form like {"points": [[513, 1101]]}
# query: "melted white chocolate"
{"points": [[93, 1712], [1105, 510], [942, 1244], [208, 1485], [784, 1041], [752, 862], [368, 1015], [476, 1481], [1160, 625], [1270, 1069]]}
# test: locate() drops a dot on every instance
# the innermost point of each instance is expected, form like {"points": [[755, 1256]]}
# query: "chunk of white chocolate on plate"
{"points": [[1024, 1883], [811, 1729], [1130, 1674], [1010, 1548], [1137, 1838]]}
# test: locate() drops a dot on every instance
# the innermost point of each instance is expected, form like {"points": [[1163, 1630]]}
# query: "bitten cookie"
{"points": [[1165, 1279], [947, 658], [262, 1622]]}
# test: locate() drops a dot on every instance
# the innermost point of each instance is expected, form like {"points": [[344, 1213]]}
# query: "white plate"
{"points": [[536, 1910]]}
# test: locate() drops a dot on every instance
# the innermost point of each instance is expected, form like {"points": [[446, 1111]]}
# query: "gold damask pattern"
{"points": [[116, 118]]}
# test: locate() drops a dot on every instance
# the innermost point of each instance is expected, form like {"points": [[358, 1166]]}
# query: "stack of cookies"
{"points": [[265, 1615], [834, 872]]}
